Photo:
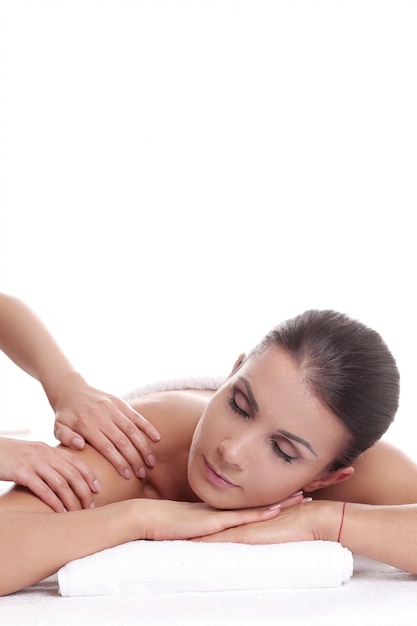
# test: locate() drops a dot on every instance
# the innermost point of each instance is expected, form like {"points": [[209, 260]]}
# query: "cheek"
{"points": [[210, 427], [195, 442], [198, 445], [269, 485], [200, 433]]}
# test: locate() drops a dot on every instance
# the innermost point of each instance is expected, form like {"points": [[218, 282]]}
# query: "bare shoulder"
{"points": [[383, 475], [114, 488], [171, 408], [174, 413]]}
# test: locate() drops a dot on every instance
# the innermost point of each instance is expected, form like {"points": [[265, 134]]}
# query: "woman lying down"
{"points": [[284, 450]]}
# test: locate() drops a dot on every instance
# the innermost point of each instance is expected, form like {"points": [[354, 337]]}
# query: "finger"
{"points": [[66, 481], [129, 449], [69, 486], [122, 443], [73, 489], [103, 443], [134, 445], [292, 500], [233, 519], [140, 421], [251, 516], [84, 470], [139, 450], [236, 529], [46, 494], [68, 437]]}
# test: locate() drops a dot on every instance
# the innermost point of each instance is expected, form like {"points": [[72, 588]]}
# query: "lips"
{"points": [[218, 479]]}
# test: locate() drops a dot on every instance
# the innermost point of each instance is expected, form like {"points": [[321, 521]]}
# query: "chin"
{"points": [[207, 496]]}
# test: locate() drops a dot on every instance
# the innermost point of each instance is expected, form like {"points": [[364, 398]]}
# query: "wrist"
{"points": [[62, 384], [124, 520], [342, 519], [328, 518]]}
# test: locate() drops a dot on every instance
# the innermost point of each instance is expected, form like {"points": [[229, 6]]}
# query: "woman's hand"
{"points": [[108, 423], [307, 521], [55, 475], [169, 520]]}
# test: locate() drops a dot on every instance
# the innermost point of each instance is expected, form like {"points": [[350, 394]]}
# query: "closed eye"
{"points": [[236, 408], [231, 400], [280, 453]]}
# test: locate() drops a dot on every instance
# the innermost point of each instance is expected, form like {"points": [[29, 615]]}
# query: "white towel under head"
{"points": [[184, 566]]}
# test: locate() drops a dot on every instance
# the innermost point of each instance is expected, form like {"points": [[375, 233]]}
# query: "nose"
{"points": [[234, 451]]}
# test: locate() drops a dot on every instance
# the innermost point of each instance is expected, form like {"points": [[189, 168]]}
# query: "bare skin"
{"points": [[176, 414], [82, 413], [233, 449]]}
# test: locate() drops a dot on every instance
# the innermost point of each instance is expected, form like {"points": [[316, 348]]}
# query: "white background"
{"points": [[179, 176]]}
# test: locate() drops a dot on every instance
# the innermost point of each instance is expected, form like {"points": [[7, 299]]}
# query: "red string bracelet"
{"points": [[341, 521]]}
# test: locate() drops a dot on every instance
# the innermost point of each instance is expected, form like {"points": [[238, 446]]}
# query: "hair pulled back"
{"points": [[346, 365]]}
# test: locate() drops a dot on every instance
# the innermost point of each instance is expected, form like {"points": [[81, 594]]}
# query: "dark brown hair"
{"points": [[347, 366]]}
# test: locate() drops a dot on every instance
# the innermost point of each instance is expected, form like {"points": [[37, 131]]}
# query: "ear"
{"points": [[239, 361], [330, 478]]}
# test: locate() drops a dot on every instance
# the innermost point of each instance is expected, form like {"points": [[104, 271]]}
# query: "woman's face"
{"points": [[263, 436]]}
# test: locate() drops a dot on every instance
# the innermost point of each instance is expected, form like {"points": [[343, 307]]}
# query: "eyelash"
{"points": [[286, 457], [236, 408], [277, 450]]}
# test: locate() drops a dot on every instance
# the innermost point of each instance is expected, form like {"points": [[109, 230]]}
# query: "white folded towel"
{"points": [[166, 566], [175, 384]]}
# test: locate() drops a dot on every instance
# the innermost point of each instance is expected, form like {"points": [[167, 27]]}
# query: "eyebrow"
{"points": [[250, 393], [285, 433], [305, 443]]}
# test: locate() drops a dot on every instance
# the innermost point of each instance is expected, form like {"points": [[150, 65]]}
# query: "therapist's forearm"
{"points": [[29, 344]]}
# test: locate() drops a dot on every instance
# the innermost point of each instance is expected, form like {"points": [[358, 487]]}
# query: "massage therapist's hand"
{"points": [[55, 475], [108, 423], [308, 521]]}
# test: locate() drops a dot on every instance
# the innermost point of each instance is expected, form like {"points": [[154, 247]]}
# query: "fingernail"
{"points": [[151, 460], [78, 443], [306, 500], [127, 473], [141, 473], [96, 486], [296, 494], [273, 507]]}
